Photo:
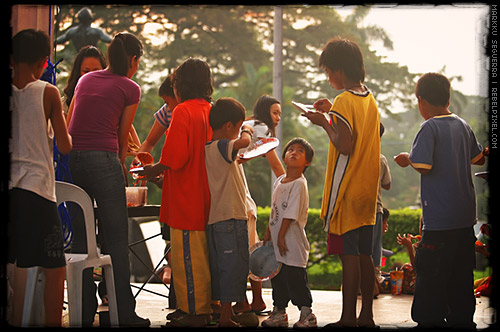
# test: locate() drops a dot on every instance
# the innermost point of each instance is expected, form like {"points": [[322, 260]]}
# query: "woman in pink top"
{"points": [[100, 117]]}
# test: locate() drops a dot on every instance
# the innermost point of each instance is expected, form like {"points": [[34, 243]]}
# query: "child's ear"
{"points": [[43, 62]]}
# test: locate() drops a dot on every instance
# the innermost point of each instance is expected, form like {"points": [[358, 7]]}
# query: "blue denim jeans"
{"points": [[228, 247], [100, 174]]}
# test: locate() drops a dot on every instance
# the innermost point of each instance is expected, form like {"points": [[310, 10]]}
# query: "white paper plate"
{"points": [[302, 107], [136, 169], [260, 147]]}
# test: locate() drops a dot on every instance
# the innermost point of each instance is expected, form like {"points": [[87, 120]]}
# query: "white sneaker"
{"points": [[306, 322], [278, 318]]}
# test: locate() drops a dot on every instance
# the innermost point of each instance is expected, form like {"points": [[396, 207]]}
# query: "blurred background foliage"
{"points": [[237, 42]]}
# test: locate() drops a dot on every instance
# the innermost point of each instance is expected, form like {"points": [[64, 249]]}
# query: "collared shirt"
{"points": [[447, 146]]}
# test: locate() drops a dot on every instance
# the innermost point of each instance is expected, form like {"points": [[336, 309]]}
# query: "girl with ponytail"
{"points": [[100, 118], [123, 51]]}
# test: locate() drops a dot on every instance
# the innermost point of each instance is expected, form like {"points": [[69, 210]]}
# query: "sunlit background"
{"points": [[399, 44]]}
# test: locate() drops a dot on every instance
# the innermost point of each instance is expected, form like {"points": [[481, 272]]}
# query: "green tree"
{"points": [[236, 41]]}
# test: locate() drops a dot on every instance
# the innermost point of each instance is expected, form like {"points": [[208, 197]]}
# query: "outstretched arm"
{"points": [[245, 138], [403, 160], [275, 163], [405, 240]]}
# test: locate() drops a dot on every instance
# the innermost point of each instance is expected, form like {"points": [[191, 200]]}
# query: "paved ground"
{"points": [[390, 311]]}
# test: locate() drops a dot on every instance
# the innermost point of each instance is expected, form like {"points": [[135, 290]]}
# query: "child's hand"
{"points": [[267, 236], [158, 180], [150, 171], [385, 226], [316, 118], [403, 159], [323, 105], [282, 245], [404, 240]]}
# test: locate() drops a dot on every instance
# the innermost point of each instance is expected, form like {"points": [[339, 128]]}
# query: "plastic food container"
{"points": [[136, 196], [397, 282]]}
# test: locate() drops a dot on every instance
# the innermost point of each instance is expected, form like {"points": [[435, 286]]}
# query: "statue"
{"points": [[83, 34]]}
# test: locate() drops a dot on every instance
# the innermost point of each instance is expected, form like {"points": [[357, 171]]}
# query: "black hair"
{"points": [[166, 88], [261, 111], [225, 110], [123, 47], [435, 88], [307, 146], [382, 129], [193, 79], [30, 45], [88, 51], [343, 54]]}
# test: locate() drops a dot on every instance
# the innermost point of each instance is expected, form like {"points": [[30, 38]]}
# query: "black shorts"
{"points": [[354, 242], [35, 232]]}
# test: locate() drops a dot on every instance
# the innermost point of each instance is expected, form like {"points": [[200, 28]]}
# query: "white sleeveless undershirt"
{"points": [[31, 143]]}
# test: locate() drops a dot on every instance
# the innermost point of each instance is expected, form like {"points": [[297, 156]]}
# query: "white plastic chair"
{"points": [[76, 263]]}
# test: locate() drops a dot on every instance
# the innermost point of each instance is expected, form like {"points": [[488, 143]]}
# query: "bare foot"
{"points": [[258, 305], [242, 306], [216, 306], [341, 324], [369, 322]]}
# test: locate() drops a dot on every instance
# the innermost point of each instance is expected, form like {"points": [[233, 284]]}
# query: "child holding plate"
{"points": [[265, 118], [286, 229]]}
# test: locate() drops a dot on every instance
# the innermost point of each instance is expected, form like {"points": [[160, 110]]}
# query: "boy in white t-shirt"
{"points": [[227, 231], [290, 202]]}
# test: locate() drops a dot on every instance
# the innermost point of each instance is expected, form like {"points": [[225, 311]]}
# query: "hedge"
{"points": [[402, 221]]}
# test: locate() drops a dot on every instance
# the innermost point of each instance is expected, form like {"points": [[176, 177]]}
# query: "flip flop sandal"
{"points": [[176, 314], [190, 321], [261, 313], [246, 319]]}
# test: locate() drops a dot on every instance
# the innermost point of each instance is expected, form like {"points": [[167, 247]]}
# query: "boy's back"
{"points": [[447, 146], [350, 195], [226, 182], [31, 143]]}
